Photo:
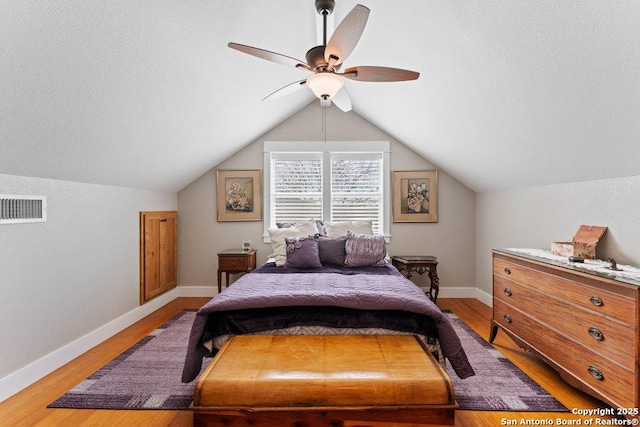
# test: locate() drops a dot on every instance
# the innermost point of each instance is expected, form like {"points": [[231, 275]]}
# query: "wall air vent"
{"points": [[17, 209]]}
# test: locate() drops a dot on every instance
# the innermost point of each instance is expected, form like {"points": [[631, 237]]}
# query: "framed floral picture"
{"points": [[239, 195], [415, 196]]}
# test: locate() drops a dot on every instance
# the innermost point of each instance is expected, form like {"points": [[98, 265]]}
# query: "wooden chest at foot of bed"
{"points": [[323, 380]]}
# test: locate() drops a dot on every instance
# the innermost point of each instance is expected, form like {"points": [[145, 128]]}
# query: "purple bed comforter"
{"points": [[388, 290]]}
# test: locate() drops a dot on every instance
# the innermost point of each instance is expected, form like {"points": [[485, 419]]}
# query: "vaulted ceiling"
{"points": [[147, 94]]}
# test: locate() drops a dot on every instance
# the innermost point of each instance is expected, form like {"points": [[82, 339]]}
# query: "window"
{"points": [[331, 181]]}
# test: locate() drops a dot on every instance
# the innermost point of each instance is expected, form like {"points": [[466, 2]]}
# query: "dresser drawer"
{"points": [[605, 377], [230, 263], [599, 333], [592, 298]]}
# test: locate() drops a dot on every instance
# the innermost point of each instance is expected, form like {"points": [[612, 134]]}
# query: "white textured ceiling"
{"points": [[146, 94]]}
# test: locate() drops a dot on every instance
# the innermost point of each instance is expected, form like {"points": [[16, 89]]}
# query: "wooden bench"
{"points": [[320, 380]]}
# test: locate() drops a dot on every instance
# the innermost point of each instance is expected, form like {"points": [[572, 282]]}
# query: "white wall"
{"points": [[536, 216], [66, 277], [201, 237]]}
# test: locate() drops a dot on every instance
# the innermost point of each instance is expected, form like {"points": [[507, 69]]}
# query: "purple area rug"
{"points": [[147, 376], [498, 385]]}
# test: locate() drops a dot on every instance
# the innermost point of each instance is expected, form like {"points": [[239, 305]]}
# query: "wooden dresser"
{"points": [[582, 323]]}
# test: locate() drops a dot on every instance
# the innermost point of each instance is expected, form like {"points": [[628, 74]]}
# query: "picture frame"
{"points": [[415, 196], [239, 195]]}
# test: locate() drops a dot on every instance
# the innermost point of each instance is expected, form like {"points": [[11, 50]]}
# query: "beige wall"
{"points": [[201, 237], [66, 277], [536, 216]]}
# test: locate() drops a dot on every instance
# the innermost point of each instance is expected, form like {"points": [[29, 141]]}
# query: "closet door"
{"points": [[158, 253]]}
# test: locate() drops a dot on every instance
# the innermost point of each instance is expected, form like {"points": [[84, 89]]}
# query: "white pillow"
{"points": [[335, 229], [278, 243]]}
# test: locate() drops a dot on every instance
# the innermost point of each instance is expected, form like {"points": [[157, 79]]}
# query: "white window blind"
{"points": [[296, 187], [356, 188], [330, 181]]}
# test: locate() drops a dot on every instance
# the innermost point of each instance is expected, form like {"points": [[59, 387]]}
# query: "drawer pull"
{"points": [[507, 292], [507, 270], [595, 373], [507, 318], [596, 333], [596, 301]]}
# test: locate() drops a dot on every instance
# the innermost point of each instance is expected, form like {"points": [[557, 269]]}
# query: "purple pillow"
{"points": [[332, 250], [365, 250], [302, 252]]}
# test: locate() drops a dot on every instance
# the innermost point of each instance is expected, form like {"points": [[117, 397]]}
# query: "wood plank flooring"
{"points": [[29, 407]]}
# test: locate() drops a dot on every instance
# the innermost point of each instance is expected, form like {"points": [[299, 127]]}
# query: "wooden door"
{"points": [[158, 253]]}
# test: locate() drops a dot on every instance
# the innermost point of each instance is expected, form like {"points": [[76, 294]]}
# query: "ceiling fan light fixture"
{"points": [[325, 84]]}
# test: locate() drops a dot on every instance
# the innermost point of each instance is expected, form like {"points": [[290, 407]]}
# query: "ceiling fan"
{"points": [[325, 60]]}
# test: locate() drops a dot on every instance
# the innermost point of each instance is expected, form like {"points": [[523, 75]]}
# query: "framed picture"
{"points": [[239, 195], [415, 196]]}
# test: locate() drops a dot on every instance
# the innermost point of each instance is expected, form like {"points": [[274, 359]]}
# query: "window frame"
{"points": [[326, 148]]}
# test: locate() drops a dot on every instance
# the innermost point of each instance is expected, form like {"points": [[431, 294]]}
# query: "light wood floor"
{"points": [[29, 407]]}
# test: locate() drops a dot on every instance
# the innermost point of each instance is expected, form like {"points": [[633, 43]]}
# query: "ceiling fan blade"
{"points": [[342, 99], [346, 35], [286, 90], [270, 56], [379, 74]]}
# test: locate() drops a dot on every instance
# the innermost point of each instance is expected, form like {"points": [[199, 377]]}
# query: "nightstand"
{"points": [[234, 261], [420, 265]]}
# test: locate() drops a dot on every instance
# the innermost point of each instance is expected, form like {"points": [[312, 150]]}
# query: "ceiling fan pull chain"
{"points": [[324, 123]]}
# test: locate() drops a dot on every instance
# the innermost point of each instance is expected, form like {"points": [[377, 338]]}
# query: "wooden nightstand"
{"points": [[234, 261], [420, 265]]}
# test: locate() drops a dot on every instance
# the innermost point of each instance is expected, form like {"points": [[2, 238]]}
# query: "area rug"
{"points": [[498, 385], [147, 376]]}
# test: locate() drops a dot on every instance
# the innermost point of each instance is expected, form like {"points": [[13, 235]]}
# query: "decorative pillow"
{"points": [[322, 230], [340, 228], [332, 249], [285, 224], [302, 252], [278, 243], [365, 250], [314, 225]]}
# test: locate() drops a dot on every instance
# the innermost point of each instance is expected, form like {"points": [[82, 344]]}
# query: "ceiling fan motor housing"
{"points": [[325, 6], [315, 59]]}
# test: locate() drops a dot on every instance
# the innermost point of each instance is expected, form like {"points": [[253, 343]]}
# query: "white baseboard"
{"points": [[483, 297], [456, 292], [24, 377], [197, 291]]}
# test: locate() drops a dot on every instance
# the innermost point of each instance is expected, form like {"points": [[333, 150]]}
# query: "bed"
{"points": [[353, 297]]}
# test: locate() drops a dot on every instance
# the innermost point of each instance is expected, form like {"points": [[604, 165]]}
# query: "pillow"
{"points": [[285, 224], [302, 252], [316, 225], [332, 250], [340, 228], [278, 243], [322, 230], [365, 250]]}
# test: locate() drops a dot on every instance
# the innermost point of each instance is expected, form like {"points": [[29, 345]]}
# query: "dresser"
{"points": [[583, 323]]}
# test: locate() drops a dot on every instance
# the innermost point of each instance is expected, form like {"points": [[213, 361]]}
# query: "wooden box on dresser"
{"points": [[583, 324]]}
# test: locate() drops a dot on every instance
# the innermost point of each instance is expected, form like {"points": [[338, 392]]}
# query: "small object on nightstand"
{"points": [[235, 261], [420, 265]]}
